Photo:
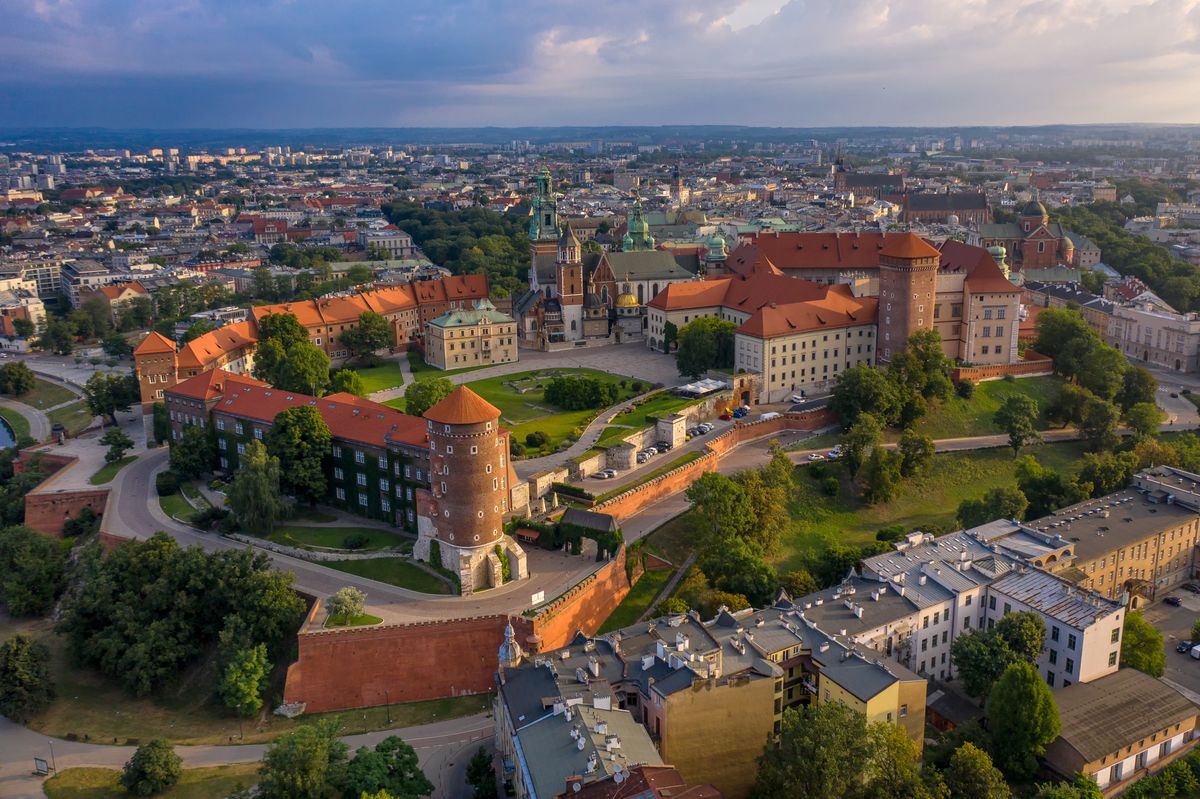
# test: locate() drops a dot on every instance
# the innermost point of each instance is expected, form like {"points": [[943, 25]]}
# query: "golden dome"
{"points": [[626, 300]]}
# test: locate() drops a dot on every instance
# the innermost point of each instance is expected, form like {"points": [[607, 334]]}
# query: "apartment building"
{"points": [[1151, 335], [80, 278], [395, 242]]}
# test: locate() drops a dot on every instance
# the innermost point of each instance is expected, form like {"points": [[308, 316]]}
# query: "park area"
{"points": [[959, 418]]}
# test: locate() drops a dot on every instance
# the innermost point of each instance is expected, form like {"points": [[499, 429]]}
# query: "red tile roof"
{"points": [[463, 406], [742, 292], [838, 308], [154, 343], [908, 246], [983, 274], [203, 350], [214, 384]]}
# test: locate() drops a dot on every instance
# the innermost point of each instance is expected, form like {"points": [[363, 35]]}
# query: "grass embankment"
{"points": [[109, 470], [90, 706], [380, 377], [931, 499], [176, 506], [637, 600], [195, 783], [18, 423], [74, 417], [46, 394], [643, 416], [393, 571], [661, 470], [959, 418], [294, 535], [361, 620]]}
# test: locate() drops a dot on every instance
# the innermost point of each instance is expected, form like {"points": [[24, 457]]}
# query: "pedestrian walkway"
{"points": [[39, 423]]}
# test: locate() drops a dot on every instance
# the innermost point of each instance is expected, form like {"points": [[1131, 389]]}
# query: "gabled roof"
{"points": [[153, 344], [203, 350], [984, 276], [838, 308], [646, 265], [463, 406], [213, 384]]}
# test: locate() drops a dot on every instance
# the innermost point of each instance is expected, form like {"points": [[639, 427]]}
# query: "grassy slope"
{"points": [[636, 601], [334, 537], [394, 571], [381, 376], [196, 783], [175, 505], [957, 418], [109, 470], [45, 394], [74, 417], [18, 423]]}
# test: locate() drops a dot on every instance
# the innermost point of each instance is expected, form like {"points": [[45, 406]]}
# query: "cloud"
{"points": [[469, 62]]}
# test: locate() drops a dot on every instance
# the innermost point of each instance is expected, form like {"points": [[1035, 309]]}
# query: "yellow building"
{"points": [[479, 337]]}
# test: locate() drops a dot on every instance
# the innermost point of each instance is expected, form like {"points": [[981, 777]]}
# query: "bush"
{"points": [[355, 541], [166, 483], [346, 602], [516, 448], [570, 490], [891, 533], [638, 386], [536, 439], [1010, 379], [153, 768], [965, 389], [580, 393], [208, 517], [818, 471], [86, 523], [25, 683], [830, 486]]}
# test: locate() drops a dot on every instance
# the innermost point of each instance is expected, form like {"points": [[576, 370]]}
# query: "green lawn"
{"points": [[657, 406], [418, 367], [394, 571], [668, 466], [523, 408], [18, 423], [109, 470], [45, 394], [74, 417], [196, 783], [361, 620], [929, 500], [958, 418], [381, 376], [636, 601], [175, 505], [294, 535]]}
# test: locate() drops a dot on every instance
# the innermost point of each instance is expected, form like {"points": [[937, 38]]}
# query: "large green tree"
{"points": [[371, 334], [193, 453], [423, 393], [301, 441], [254, 494], [303, 764], [285, 357], [1046, 489], [880, 475], [1137, 386], [1023, 720], [705, 343], [153, 768], [860, 441], [16, 378], [1144, 419], [916, 451], [481, 775], [348, 381], [32, 571], [971, 775], [1003, 502], [819, 751], [107, 393], [865, 389], [392, 766], [118, 444], [26, 686], [243, 680], [1142, 645], [1018, 417], [1099, 424]]}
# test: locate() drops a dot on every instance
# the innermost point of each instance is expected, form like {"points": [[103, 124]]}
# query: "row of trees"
{"points": [[581, 393]]}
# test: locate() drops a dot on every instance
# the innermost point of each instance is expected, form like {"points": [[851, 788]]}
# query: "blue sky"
{"points": [[334, 63]]}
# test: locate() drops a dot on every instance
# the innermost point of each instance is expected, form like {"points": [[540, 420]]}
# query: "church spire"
{"points": [[543, 221]]}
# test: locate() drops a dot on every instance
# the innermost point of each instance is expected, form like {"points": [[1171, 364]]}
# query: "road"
{"points": [[443, 749]]}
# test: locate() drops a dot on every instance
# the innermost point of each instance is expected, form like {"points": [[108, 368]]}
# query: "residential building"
{"points": [[1151, 335], [1120, 728], [80, 278], [395, 242], [476, 337], [17, 304], [116, 296]]}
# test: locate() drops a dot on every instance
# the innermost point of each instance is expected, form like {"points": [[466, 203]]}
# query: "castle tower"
{"points": [[157, 368], [907, 291], [510, 654], [543, 226], [570, 283], [637, 235], [717, 255], [468, 473]]}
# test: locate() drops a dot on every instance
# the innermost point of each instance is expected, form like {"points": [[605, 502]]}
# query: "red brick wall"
{"points": [[1033, 364], [368, 666], [47, 513], [585, 607]]}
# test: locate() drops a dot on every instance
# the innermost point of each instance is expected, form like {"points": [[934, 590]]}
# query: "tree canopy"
{"points": [[1142, 645], [1023, 720], [301, 441], [705, 343], [425, 392]]}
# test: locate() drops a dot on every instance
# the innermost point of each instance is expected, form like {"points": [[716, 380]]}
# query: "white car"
{"points": [[816, 456], [835, 453], [797, 398]]}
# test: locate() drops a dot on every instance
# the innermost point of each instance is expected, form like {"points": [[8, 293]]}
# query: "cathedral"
{"points": [[576, 297]]}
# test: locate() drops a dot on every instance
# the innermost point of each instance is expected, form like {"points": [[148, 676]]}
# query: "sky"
{"points": [[465, 63]]}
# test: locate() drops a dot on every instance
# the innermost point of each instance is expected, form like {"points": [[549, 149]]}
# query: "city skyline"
{"points": [[756, 62]]}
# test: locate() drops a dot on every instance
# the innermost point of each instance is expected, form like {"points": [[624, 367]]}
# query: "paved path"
{"points": [[443, 749], [39, 423]]}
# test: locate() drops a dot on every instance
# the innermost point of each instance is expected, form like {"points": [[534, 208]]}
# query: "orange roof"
{"points": [[747, 293], [908, 245], [203, 350], [390, 300], [153, 344], [305, 311], [983, 274], [463, 406], [838, 308], [798, 250], [113, 291], [213, 384]]}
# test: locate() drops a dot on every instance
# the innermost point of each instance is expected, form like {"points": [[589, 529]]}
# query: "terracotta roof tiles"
{"points": [[154, 343], [908, 246], [463, 406]]}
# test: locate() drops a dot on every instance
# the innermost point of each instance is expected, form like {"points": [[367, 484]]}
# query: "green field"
{"points": [[381, 376], [417, 365], [523, 408], [18, 423], [929, 499], [394, 571], [196, 783], [74, 417], [959, 418], [636, 601], [46, 394], [361, 620], [294, 535], [109, 470], [655, 407]]}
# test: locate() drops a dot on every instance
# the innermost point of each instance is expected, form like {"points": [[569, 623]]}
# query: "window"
{"points": [[1071, 641], [241, 448], [384, 485], [337, 451], [340, 493], [222, 443], [362, 500], [1007, 608], [992, 602], [338, 474], [904, 711], [1053, 657], [220, 424], [937, 616], [1050, 678], [925, 623], [385, 505], [1070, 666], [969, 600], [1116, 634], [1114, 774], [383, 462], [1053, 633], [359, 456], [924, 644], [258, 434], [1112, 658], [237, 428], [360, 478]]}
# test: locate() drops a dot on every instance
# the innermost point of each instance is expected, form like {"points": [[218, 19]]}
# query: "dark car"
{"points": [[1193, 587], [1174, 601], [1184, 646]]}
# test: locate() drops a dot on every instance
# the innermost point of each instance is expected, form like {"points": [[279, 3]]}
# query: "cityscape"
{"points": [[480, 400]]}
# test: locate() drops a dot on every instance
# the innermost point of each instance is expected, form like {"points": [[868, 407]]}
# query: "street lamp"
{"points": [[388, 705], [53, 762]]}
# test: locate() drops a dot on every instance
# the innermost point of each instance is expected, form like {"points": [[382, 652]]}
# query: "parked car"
{"points": [[1184, 646], [663, 446], [816, 456], [1174, 601], [651, 451], [770, 415], [797, 398], [1193, 587], [1195, 652], [745, 408], [835, 453], [705, 428], [642, 457], [739, 413], [725, 417]]}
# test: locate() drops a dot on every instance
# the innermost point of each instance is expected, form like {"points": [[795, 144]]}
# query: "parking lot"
{"points": [[1176, 625]]}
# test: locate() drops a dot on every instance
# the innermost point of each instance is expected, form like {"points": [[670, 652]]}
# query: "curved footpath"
{"points": [[438, 746], [39, 422]]}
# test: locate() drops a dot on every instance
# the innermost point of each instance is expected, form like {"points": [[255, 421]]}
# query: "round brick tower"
{"points": [[468, 470]]}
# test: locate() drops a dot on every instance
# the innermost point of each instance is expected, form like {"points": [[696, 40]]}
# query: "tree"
{"points": [[798, 583], [880, 475], [1004, 502], [720, 507], [305, 370], [118, 444], [58, 337], [16, 378], [481, 775], [372, 333], [1144, 419], [971, 775], [916, 450], [347, 381], [736, 566], [860, 440], [1107, 472], [153, 768], [865, 389], [1103, 371], [1046, 489], [1067, 407], [391, 767], [285, 357], [768, 502], [346, 602], [1142, 645], [1023, 719], [303, 764], [25, 683], [24, 328], [243, 680], [193, 453], [892, 770], [1082, 787], [32, 571], [197, 329], [1018, 416], [108, 393], [670, 336], [1152, 452], [301, 440], [114, 344], [1023, 634], [1137, 386], [819, 751], [979, 658], [1099, 424], [254, 494], [705, 343], [425, 392]]}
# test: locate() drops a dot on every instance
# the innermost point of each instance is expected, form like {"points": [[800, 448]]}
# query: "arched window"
{"points": [[641, 294], [572, 325]]}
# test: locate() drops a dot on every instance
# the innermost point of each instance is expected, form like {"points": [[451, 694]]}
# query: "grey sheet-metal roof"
{"points": [[646, 265], [1111, 522], [590, 520], [1056, 597], [828, 607]]}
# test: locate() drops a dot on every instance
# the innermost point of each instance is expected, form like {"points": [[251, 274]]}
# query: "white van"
{"points": [[766, 417], [1195, 652]]}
